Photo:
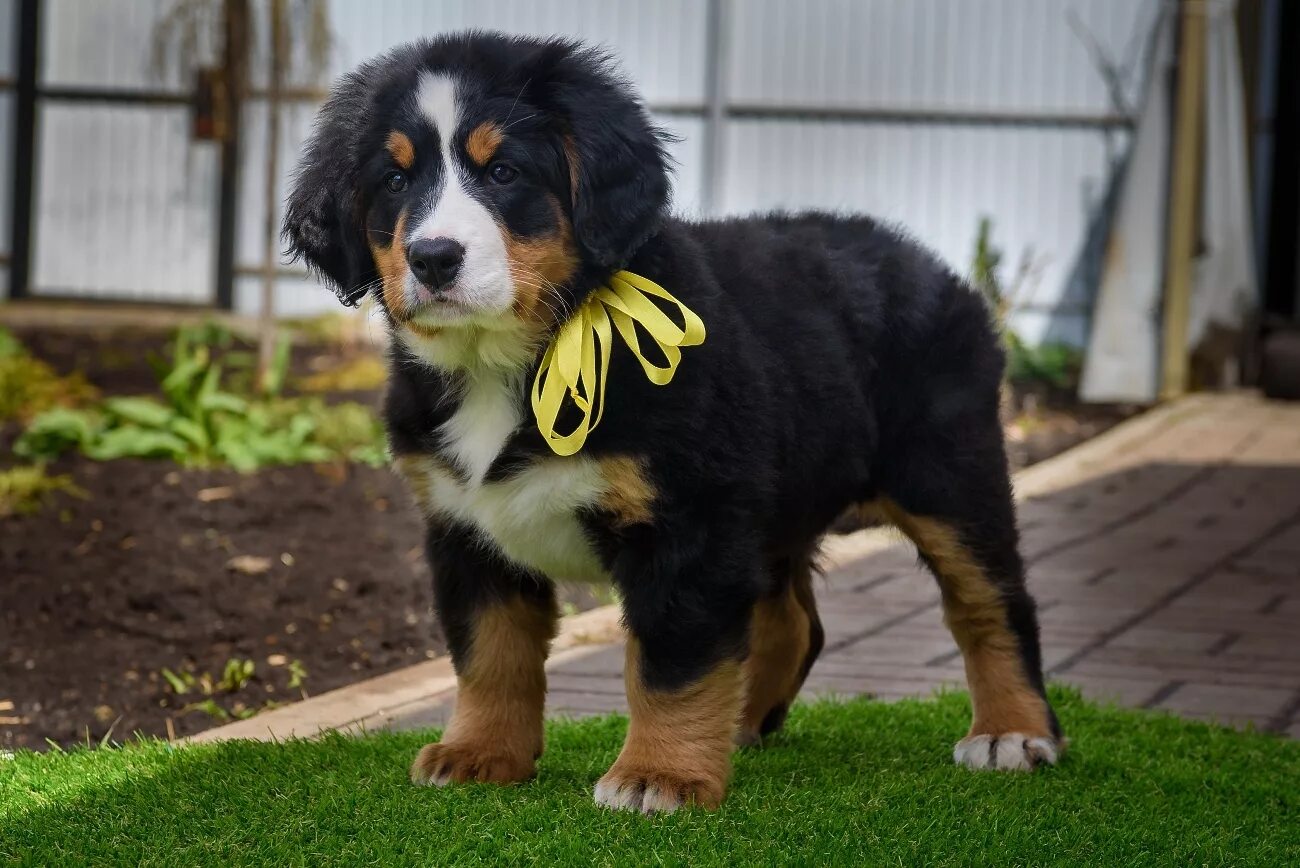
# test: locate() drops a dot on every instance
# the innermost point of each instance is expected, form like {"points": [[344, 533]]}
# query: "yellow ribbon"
{"points": [[584, 342]]}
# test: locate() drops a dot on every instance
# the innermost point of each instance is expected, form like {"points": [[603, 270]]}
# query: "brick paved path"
{"points": [[1165, 557]]}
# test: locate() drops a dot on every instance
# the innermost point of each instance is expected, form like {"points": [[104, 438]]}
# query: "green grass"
{"points": [[858, 783]]}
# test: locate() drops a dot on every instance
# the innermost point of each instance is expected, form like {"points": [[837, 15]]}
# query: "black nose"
{"points": [[435, 261]]}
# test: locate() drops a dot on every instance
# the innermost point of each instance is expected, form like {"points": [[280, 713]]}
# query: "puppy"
{"points": [[482, 188]]}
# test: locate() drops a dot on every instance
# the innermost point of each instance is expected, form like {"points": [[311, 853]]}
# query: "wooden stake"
{"points": [[1184, 181]]}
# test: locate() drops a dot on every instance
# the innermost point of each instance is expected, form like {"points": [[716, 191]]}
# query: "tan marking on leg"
{"points": [[629, 495], [678, 747], [1001, 696], [390, 262], [779, 639], [538, 266], [483, 142], [401, 149], [495, 732]]}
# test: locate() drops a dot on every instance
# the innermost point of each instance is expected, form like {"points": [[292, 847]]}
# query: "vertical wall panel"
{"points": [[936, 182], [992, 55], [92, 43], [130, 217], [660, 43]]}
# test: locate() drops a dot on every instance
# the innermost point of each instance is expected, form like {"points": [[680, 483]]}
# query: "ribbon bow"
{"points": [[584, 343]]}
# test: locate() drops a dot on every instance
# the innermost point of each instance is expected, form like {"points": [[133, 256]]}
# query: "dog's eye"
{"points": [[502, 173], [395, 182]]}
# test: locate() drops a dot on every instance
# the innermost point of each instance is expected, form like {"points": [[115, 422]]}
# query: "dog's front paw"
{"points": [[444, 763], [1012, 751], [653, 791]]}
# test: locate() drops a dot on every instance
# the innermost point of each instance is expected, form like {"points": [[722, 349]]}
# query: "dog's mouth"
{"points": [[452, 306], [436, 309]]}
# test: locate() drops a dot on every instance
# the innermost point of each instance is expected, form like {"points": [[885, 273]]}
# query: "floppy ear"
{"points": [[617, 162], [321, 220]]}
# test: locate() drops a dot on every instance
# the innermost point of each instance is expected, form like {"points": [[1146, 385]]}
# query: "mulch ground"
{"points": [[159, 567]]}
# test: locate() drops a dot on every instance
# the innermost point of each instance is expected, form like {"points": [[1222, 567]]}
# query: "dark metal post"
{"points": [[1281, 267], [236, 79], [24, 147]]}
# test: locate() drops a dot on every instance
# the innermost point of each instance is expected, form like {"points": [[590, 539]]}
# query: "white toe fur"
{"points": [[1012, 751], [631, 797]]}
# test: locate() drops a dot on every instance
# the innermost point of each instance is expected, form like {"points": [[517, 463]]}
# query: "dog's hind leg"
{"points": [[961, 516], [785, 637]]}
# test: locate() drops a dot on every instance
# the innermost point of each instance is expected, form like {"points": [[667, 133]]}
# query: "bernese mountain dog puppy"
{"points": [[481, 188]]}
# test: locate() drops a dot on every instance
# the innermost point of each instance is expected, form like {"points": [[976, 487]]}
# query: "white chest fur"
{"points": [[532, 516]]}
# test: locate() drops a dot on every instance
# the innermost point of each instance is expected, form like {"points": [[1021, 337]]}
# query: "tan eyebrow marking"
{"points": [[483, 142], [399, 145]]}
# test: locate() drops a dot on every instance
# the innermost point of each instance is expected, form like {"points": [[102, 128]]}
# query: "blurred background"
{"points": [[197, 523]]}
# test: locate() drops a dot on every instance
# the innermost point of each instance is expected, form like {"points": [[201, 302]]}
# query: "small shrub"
{"points": [[29, 386], [1054, 365], [198, 422], [25, 489], [358, 373]]}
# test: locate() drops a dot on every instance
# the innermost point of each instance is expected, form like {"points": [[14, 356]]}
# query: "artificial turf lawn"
{"points": [[855, 783]]}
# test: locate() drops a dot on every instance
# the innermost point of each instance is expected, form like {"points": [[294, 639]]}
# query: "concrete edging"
{"points": [[349, 706]]}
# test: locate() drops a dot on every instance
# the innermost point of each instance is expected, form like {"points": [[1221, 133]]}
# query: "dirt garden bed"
{"points": [[167, 600]]}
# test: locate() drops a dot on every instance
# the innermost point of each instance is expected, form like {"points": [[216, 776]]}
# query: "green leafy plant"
{"points": [[235, 676], [297, 674], [198, 422], [1056, 365]]}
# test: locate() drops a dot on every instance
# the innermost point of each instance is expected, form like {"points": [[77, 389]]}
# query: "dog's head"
{"points": [[469, 181]]}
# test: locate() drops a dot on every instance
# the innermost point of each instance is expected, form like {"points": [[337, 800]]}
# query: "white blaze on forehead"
{"points": [[436, 98], [484, 281]]}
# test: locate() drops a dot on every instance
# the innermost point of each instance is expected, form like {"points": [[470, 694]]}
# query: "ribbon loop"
{"points": [[576, 364]]}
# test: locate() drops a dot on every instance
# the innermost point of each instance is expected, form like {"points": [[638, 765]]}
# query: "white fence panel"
{"points": [[1010, 56], [110, 44], [1038, 186], [123, 205]]}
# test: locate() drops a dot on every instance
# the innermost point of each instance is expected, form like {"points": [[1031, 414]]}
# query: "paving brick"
{"points": [[1177, 672], [605, 661], [1144, 638], [855, 685], [564, 682], [1123, 691], [570, 702], [426, 715], [1227, 700]]}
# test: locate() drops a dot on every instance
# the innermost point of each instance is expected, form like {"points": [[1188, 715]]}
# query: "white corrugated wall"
{"points": [[957, 59]]}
